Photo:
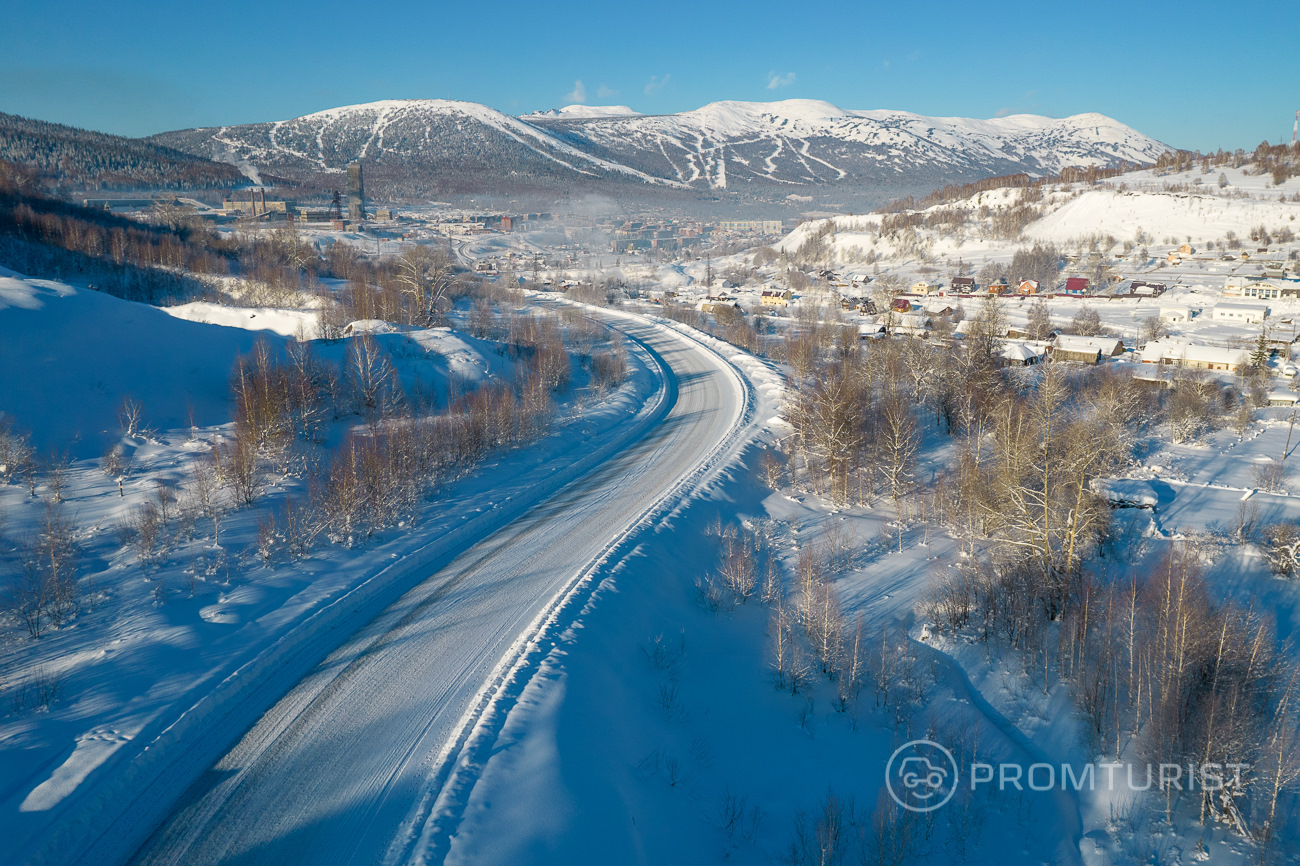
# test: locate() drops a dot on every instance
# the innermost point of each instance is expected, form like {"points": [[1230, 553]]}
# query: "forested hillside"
{"points": [[82, 159]]}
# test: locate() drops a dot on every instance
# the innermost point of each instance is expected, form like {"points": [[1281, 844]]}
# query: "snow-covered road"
{"points": [[342, 762]]}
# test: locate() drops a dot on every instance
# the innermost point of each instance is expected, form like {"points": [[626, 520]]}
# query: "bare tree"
{"points": [[205, 491], [57, 466], [131, 416], [1153, 328], [426, 275], [1086, 322], [15, 450], [371, 378], [1040, 320]]}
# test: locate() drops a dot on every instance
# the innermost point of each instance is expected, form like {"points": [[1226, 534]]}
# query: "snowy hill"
{"points": [[413, 147], [1163, 210], [421, 147]]}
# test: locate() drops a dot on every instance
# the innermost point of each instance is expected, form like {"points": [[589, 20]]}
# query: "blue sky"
{"points": [[1192, 74]]}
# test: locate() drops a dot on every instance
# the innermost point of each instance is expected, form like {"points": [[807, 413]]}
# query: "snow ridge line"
{"points": [[107, 821], [426, 835]]}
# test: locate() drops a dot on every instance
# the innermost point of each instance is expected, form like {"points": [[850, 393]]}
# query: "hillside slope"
{"points": [[81, 158]]}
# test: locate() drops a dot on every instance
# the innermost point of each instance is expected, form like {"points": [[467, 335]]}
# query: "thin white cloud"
{"points": [[579, 93], [774, 81], [606, 92], [656, 84]]}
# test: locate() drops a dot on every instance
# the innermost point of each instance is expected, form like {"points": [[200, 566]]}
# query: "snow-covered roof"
{"points": [[1075, 343], [1018, 352], [1241, 309], [1158, 350]]}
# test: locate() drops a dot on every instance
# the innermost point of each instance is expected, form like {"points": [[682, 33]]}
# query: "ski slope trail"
{"points": [[341, 764]]}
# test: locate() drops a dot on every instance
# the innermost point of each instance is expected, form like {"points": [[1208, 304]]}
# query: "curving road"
{"points": [[333, 771]]}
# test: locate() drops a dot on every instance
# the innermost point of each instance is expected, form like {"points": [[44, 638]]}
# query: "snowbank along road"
{"points": [[353, 754]]}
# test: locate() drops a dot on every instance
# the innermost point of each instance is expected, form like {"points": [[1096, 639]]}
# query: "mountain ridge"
{"points": [[762, 149]]}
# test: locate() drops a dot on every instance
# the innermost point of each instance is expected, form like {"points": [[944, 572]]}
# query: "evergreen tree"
{"points": [[1259, 357]]}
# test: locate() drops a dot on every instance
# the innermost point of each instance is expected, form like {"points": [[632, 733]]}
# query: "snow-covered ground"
{"points": [[160, 672], [535, 674], [378, 725]]}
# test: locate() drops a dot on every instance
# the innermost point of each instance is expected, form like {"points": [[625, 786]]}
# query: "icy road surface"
{"points": [[332, 771]]}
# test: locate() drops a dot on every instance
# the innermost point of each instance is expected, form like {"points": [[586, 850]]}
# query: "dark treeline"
{"points": [[81, 159], [45, 237]]}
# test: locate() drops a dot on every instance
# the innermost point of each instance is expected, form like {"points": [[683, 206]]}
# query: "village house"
{"points": [[1028, 287], [1141, 289], [1239, 313], [1089, 350], [1266, 289], [1077, 286], [1176, 315], [937, 308], [1019, 355], [963, 284], [912, 324], [1201, 357], [776, 298]]}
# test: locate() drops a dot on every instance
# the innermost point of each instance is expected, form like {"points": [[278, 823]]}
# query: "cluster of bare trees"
{"points": [[1151, 660], [1155, 660], [840, 833], [379, 476], [44, 591], [383, 470], [810, 638], [608, 368], [1026, 483], [856, 430]]}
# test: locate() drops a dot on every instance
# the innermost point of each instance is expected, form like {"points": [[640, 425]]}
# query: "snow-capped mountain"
{"points": [[415, 147], [581, 112], [802, 141], [422, 147]]}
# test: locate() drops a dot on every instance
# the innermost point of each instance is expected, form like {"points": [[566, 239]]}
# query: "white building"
{"points": [[1239, 313], [1175, 315], [1266, 290], [1194, 355]]}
